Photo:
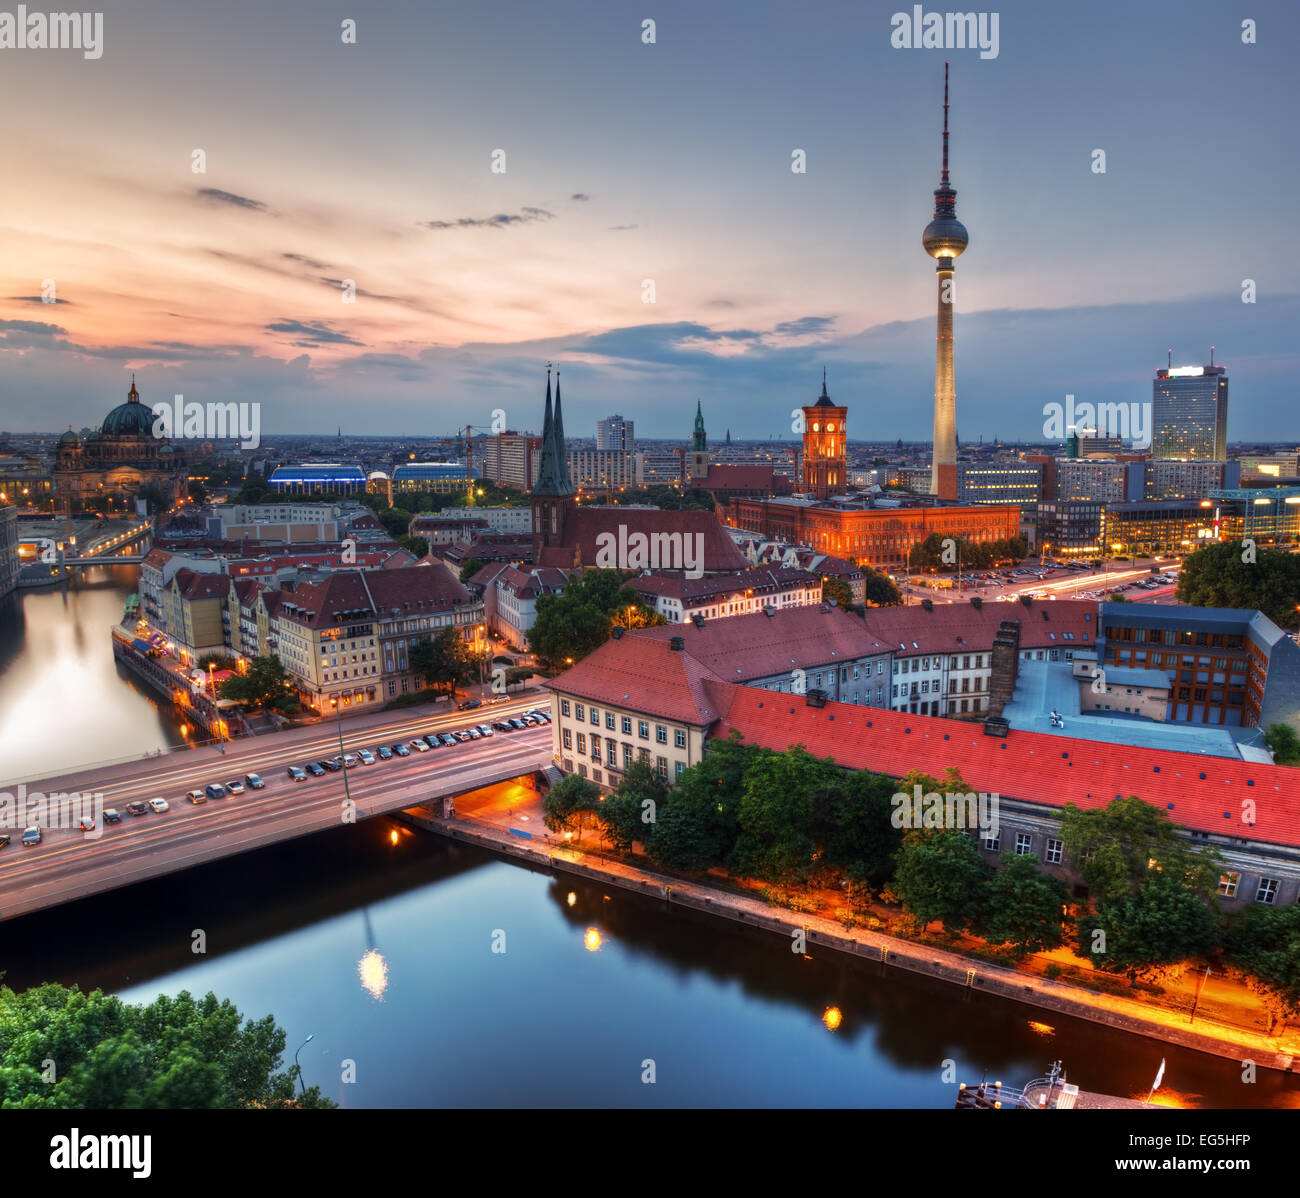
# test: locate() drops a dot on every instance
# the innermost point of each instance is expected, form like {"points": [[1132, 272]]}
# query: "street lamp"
{"points": [[295, 1060], [338, 719]]}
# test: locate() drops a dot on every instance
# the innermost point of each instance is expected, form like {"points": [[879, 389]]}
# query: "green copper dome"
{"points": [[130, 419]]}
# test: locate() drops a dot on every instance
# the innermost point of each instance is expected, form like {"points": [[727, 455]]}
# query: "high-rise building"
{"points": [[945, 237], [511, 459], [1189, 412], [825, 446], [615, 435]]}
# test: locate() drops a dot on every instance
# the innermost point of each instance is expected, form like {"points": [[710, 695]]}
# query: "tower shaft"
{"points": [[943, 475]]}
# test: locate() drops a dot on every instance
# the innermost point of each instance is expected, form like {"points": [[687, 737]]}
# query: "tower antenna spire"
{"points": [[1211, 355], [945, 123], [1169, 358]]}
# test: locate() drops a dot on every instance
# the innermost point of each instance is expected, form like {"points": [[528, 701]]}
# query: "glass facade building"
{"points": [[1189, 413]]}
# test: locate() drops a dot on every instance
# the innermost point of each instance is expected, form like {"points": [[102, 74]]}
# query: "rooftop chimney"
{"points": [[928, 604], [976, 602], [677, 644], [617, 634]]}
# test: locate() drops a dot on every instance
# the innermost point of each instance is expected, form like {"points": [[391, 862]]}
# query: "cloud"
{"points": [[226, 197], [501, 220], [622, 228], [581, 196], [313, 333], [14, 334], [804, 326], [311, 263], [36, 299]]}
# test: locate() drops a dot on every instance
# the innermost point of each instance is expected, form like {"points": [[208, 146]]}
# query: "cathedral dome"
{"points": [[69, 438], [130, 419]]}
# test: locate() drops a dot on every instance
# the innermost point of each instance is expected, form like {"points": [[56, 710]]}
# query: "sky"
{"points": [[631, 164]]}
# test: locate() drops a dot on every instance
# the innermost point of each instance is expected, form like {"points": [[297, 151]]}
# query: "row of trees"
{"points": [[793, 818], [1230, 575], [942, 552]]}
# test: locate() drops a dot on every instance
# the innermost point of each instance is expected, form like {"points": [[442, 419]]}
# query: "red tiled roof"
{"points": [[954, 627], [1202, 793], [585, 524], [736, 478], [648, 676], [739, 648], [374, 594], [192, 585], [677, 586]]}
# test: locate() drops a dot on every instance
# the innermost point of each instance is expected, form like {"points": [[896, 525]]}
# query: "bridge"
{"points": [[69, 865]]}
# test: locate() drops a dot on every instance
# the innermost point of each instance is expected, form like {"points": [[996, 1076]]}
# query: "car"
{"points": [[385, 753], [4, 841], [87, 825], [484, 730], [112, 815], [32, 836], [469, 705], [446, 739], [366, 757], [235, 788], [502, 726], [431, 739], [159, 805], [254, 781], [333, 764], [518, 724], [139, 808], [473, 734], [197, 796], [419, 745], [401, 750], [499, 699], [461, 736], [349, 761], [530, 720], [215, 791], [298, 774], [316, 769]]}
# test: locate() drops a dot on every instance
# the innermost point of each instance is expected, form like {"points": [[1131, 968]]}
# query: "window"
{"points": [[578, 712], [679, 767], [609, 720], [643, 729], [627, 725], [568, 738], [1054, 851], [1228, 885], [582, 742], [661, 766], [627, 756], [595, 717], [661, 734], [643, 754], [679, 737], [1267, 892], [1024, 842], [611, 754], [991, 842]]}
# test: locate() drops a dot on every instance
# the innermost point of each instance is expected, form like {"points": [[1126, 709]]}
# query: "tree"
{"points": [[266, 684], [1284, 742], [197, 492], [416, 546], [1268, 581], [837, 590], [781, 794], [879, 589], [631, 812], [218, 661], [1265, 943], [580, 619], [396, 520], [156, 499], [443, 660], [471, 567], [941, 876], [1023, 907], [568, 804], [111, 1055], [860, 837], [1162, 923], [1116, 848]]}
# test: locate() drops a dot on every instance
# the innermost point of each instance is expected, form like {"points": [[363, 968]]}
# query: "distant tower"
{"points": [[825, 450], [697, 459], [553, 494], [944, 238]]}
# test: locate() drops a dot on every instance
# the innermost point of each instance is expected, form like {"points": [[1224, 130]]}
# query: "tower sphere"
{"points": [[945, 237]]}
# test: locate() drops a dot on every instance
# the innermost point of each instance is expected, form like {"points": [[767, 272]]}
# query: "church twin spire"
{"points": [[553, 474]]}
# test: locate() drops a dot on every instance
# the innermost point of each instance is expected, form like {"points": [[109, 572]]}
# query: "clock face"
{"points": [[830, 428], [816, 427]]}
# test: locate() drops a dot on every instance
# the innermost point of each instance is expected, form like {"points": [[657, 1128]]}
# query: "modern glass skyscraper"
{"points": [[1189, 413]]}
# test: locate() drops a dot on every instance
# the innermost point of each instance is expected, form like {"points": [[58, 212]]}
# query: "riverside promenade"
{"points": [[501, 832]]}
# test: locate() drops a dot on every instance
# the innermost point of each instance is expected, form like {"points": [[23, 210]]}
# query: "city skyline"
{"points": [[228, 284]]}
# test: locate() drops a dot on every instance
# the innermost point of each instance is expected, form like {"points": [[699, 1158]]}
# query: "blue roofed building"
{"points": [[317, 478], [441, 477]]}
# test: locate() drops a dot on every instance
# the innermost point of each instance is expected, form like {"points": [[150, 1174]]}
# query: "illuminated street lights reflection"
{"points": [[571, 898], [592, 940], [832, 1018], [373, 971]]}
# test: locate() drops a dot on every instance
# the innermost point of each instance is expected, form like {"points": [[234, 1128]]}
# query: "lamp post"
{"points": [[295, 1060], [338, 719]]}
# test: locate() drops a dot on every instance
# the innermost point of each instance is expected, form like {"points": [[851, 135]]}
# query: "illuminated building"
{"points": [[1189, 412], [825, 446]]}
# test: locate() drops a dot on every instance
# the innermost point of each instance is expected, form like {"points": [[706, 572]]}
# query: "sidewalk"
{"points": [[491, 829]]}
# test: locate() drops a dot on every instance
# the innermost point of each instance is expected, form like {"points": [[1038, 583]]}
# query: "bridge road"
{"points": [[69, 864]]}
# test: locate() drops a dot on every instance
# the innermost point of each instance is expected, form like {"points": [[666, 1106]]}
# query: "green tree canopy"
{"points": [[471, 567], [1024, 907], [941, 876], [838, 590], [443, 660], [570, 804], [879, 589], [111, 1055], [581, 618], [1268, 580], [631, 812], [1284, 742], [779, 800], [1161, 923], [396, 521], [1265, 942], [266, 684]]}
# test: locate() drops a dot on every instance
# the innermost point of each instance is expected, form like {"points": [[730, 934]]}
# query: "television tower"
{"points": [[944, 238]]}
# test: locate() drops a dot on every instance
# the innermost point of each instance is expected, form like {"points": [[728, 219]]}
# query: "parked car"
{"points": [[235, 788], [112, 815], [215, 791], [384, 753], [419, 745], [502, 726], [138, 808], [485, 730], [473, 734], [159, 805], [333, 764], [349, 761], [365, 756], [448, 739], [254, 781], [87, 825], [469, 705], [461, 735], [298, 774], [401, 750], [4, 841], [32, 836], [518, 724], [316, 769]]}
